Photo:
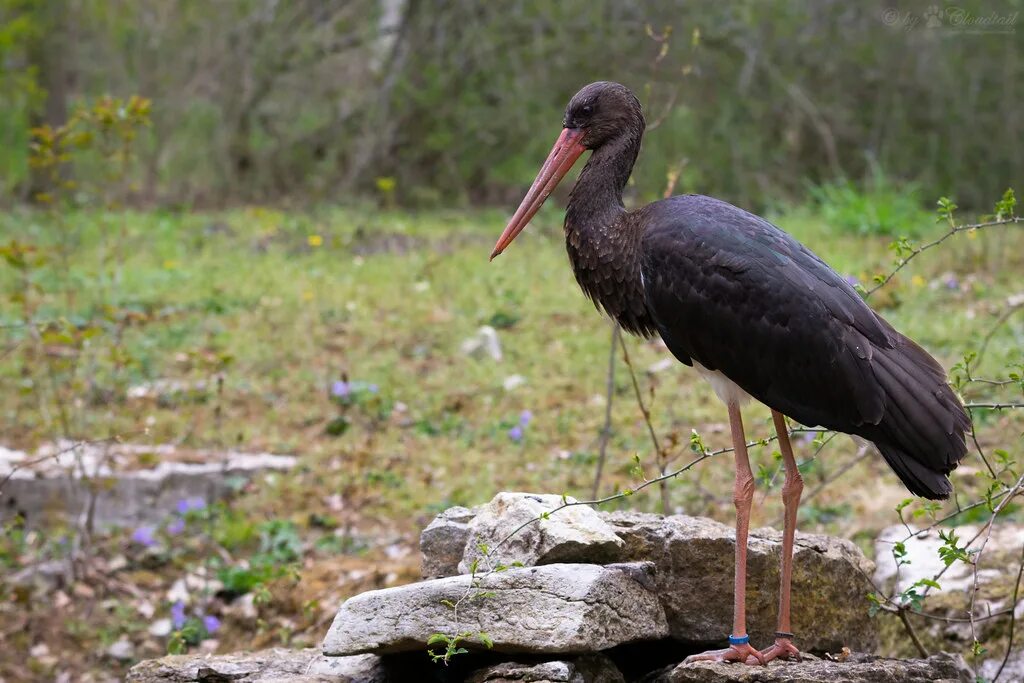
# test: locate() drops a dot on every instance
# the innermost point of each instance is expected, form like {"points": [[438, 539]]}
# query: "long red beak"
{"points": [[564, 154]]}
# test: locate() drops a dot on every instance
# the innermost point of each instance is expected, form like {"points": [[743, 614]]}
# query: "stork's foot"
{"points": [[734, 653], [783, 648]]}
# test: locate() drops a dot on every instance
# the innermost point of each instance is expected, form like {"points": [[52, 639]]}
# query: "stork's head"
{"points": [[603, 111], [598, 114]]}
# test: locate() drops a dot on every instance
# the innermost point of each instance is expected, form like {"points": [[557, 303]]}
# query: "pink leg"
{"points": [[743, 494], [783, 647]]}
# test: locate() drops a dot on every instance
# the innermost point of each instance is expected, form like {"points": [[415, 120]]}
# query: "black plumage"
{"points": [[736, 294], [733, 292]]}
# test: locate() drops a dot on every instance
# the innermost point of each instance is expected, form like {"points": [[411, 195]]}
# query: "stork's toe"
{"points": [[782, 648], [734, 653]]}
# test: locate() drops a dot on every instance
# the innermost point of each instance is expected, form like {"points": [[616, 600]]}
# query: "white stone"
{"points": [[573, 534], [513, 382], [484, 342], [122, 650], [924, 561], [178, 592], [161, 628]]}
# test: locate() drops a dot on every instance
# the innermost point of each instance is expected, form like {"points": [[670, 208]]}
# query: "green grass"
{"points": [[285, 303], [281, 304]]}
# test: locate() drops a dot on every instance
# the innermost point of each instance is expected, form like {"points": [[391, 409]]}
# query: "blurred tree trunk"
{"points": [[48, 53], [380, 127]]}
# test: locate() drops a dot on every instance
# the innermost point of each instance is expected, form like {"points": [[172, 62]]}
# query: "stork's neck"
{"points": [[596, 200], [604, 244]]}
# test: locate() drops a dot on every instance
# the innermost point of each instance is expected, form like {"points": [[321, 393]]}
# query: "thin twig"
{"points": [[666, 507], [988, 534], [994, 406], [606, 431], [1013, 617], [934, 243], [913, 634], [1011, 309]]}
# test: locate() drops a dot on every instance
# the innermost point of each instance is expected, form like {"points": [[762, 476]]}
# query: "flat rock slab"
{"points": [[557, 608], [278, 665], [940, 668], [694, 557], [595, 668], [574, 534], [132, 483]]}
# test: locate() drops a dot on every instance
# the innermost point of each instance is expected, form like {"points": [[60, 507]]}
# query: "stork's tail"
{"points": [[922, 431]]}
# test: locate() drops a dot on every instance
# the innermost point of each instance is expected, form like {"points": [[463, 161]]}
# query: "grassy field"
{"points": [[261, 313]]}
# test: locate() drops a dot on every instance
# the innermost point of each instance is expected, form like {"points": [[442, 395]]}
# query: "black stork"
{"points": [[757, 314]]}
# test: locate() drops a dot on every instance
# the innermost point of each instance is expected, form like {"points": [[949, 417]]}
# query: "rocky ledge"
{"points": [[310, 666], [693, 558], [580, 596]]}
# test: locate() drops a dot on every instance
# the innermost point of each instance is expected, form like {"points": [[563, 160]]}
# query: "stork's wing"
{"points": [[733, 292], [736, 294]]}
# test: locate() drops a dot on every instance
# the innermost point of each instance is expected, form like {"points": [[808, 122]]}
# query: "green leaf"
{"points": [[946, 207], [485, 639], [438, 638], [1005, 206]]}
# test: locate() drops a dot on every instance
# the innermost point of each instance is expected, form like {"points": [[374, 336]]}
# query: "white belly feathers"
{"points": [[727, 390]]}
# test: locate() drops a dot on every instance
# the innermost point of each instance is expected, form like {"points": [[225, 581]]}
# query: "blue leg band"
{"points": [[739, 640]]}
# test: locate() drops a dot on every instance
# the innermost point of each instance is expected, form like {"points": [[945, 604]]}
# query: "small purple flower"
{"points": [[525, 417], [808, 437], [373, 388], [211, 623], [851, 280], [952, 282], [176, 527], [516, 433], [178, 614], [144, 536], [340, 389], [186, 505]]}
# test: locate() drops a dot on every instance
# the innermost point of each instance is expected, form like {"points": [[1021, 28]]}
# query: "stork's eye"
{"points": [[587, 109]]}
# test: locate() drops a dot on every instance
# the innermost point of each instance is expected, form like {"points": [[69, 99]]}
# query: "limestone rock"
{"points": [[694, 560], [940, 668], [484, 343], [558, 608], [443, 542], [595, 668], [1013, 670], [122, 650], [278, 665], [573, 534], [1002, 548], [997, 577], [127, 483]]}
